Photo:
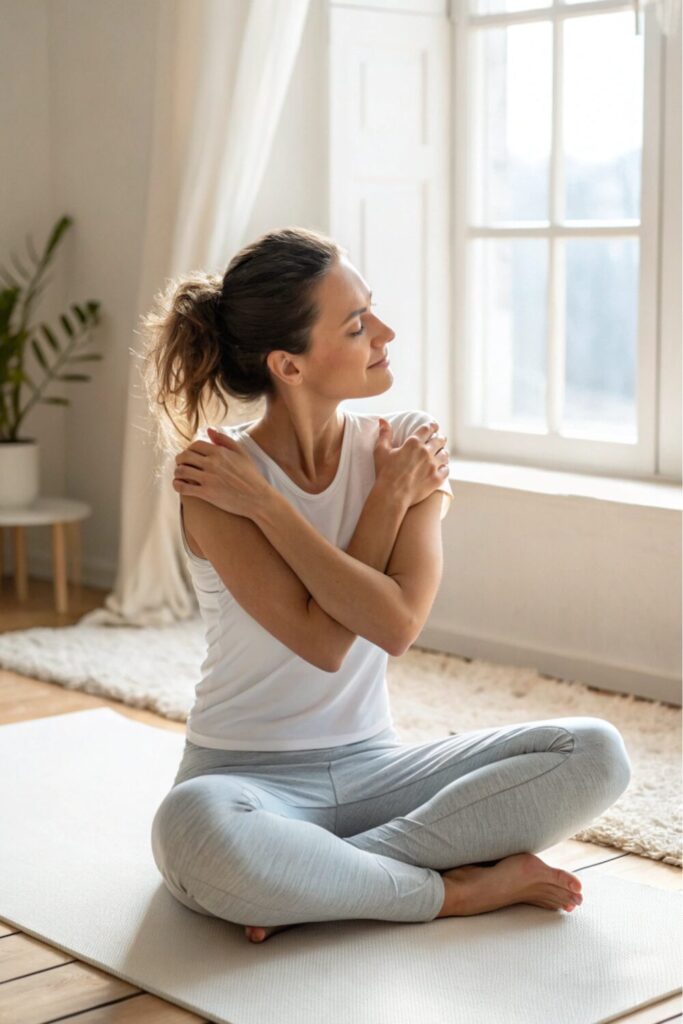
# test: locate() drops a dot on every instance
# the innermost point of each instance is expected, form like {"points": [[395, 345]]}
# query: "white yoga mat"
{"points": [[77, 796]]}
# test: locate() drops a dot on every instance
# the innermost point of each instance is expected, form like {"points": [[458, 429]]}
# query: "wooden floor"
{"points": [[39, 983]]}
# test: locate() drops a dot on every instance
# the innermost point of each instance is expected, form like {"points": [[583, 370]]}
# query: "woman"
{"points": [[314, 541]]}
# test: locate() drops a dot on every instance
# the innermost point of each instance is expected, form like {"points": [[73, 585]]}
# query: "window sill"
{"points": [[646, 493]]}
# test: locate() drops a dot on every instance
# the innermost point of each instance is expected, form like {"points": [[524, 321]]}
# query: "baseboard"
{"points": [[609, 676]]}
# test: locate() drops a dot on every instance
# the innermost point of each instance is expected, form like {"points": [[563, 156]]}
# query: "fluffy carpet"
{"points": [[432, 695]]}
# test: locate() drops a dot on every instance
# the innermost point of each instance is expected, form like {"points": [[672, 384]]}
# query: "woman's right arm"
{"points": [[372, 543], [267, 588]]}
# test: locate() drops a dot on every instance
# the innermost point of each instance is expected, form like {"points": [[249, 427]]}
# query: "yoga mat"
{"points": [[78, 793]]}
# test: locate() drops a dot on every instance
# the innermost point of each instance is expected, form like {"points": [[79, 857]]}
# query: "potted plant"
{"points": [[19, 476]]}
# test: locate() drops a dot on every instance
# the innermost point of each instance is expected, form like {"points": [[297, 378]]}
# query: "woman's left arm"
{"points": [[385, 608]]}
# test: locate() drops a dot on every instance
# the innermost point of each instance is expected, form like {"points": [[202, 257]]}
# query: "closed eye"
{"points": [[354, 334]]}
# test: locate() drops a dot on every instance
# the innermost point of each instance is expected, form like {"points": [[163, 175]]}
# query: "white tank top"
{"points": [[254, 692]]}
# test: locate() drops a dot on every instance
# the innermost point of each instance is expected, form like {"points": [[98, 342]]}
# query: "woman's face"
{"points": [[347, 339]]}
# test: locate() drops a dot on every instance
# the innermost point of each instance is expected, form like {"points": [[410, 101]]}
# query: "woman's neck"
{"points": [[305, 445]]}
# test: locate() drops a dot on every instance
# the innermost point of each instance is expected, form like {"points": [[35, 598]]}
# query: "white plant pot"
{"points": [[19, 472]]}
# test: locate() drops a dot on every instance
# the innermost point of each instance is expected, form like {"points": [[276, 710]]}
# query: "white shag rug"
{"points": [[432, 695]]}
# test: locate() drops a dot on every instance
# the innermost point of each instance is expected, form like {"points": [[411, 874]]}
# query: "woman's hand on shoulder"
{"points": [[418, 466], [221, 472]]}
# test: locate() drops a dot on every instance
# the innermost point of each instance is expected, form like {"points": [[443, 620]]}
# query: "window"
{"points": [[557, 200]]}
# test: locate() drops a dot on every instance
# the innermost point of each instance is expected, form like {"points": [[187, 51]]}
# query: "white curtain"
{"points": [[213, 129]]}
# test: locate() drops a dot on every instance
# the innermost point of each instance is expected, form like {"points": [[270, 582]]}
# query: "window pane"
{"points": [[510, 327], [601, 329], [512, 118], [603, 116]]}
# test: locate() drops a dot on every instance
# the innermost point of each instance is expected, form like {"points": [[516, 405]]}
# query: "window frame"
{"points": [[551, 450]]}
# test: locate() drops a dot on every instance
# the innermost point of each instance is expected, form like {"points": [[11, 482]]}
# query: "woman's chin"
{"points": [[380, 378], [385, 385]]}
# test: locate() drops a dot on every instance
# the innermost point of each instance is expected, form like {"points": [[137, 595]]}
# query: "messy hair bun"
{"points": [[209, 335]]}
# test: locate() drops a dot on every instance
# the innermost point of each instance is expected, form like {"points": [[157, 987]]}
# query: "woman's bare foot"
{"points": [[522, 878], [257, 933], [473, 889]]}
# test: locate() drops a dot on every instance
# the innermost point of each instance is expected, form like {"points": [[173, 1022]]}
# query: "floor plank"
{"points": [[670, 1009], [141, 1009], [23, 954], [49, 994]]}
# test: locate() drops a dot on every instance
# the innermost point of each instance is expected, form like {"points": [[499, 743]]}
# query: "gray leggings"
{"points": [[363, 830]]}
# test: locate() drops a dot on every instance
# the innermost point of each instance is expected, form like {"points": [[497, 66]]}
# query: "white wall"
{"points": [[102, 63], [78, 82], [548, 580], [27, 188], [580, 588]]}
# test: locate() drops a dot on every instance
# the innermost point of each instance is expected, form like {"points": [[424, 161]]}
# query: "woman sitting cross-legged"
{"points": [[313, 536]]}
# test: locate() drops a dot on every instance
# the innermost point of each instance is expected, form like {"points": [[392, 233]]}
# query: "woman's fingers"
{"points": [[200, 461], [428, 427], [190, 460], [187, 487], [199, 451], [186, 464], [205, 447], [187, 472], [437, 443]]}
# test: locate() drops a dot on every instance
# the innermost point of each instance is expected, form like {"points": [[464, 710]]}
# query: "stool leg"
{"points": [[20, 573], [75, 544], [59, 566]]}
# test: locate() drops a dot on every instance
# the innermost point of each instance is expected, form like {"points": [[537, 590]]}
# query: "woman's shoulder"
{"points": [[236, 431], [403, 421]]}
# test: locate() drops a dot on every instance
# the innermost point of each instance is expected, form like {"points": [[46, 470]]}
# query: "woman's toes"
{"points": [[257, 933], [568, 880]]}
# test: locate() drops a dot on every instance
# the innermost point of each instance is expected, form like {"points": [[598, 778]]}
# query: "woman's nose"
{"points": [[388, 333]]}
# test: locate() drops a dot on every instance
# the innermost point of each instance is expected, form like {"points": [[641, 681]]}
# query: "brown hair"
{"points": [[210, 335]]}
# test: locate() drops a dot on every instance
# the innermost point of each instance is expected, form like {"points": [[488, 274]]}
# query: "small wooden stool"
{"points": [[64, 515]]}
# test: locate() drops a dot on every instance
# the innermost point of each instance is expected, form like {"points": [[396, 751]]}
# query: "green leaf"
{"points": [[72, 376], [80, 315], [66, 324], [54, 344], [17, 376], [8, 300], [54, 401], [17, 340], [42, 284], [58, 230], [39, 354]]}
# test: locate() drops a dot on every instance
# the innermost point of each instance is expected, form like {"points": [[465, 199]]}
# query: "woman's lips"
{"points": [[384, 362]]}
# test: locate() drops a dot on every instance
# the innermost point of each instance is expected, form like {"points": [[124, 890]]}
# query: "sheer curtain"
{"points": [[213, 131]]}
